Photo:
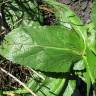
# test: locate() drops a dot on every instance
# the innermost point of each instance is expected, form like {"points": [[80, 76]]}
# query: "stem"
{"points": [[16, 79]]}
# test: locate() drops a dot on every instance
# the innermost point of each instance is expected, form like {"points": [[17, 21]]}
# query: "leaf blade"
{"points": [[51, 49]]}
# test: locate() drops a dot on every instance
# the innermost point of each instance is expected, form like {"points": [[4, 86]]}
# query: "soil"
{"points": [[82, 9], [22, 73]]}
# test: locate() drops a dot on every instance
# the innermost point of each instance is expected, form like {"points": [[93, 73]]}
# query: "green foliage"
{"points": [[67, 46], [91, 40], [50, 48], [91, 58]]}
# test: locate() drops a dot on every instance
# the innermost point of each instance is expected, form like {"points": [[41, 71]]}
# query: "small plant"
{"points": [[60, 52]]}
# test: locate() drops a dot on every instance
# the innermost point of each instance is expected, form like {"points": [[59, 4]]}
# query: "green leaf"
{"points": [[66, 17], [91, 34], [91, 64], [87, 81], [52, 49], [51, 87], [17, 12], [92, 40], [80, 65], [70, 88]]}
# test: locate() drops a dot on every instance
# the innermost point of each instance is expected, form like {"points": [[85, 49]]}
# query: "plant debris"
{"points": [[22, 73]]}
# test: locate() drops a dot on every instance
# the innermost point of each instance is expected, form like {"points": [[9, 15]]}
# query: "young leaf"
{"points": [[52, 49]]}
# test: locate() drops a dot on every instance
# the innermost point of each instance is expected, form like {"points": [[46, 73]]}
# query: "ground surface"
{"points": [[81, 7]]}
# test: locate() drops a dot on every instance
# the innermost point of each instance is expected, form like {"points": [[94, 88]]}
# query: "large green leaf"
{"points": [[52, 48], [66, 17]]}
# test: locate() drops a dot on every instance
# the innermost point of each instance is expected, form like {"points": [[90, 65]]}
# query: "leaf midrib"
{"points": [[62, 49], [55, 48], [49, 47]]}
